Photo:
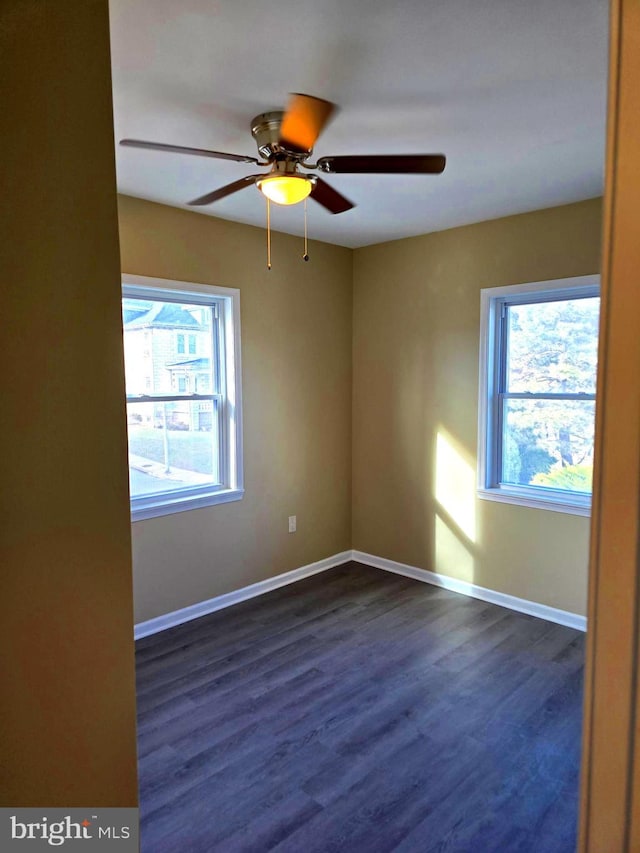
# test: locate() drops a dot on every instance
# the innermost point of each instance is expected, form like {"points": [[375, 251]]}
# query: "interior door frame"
{"points": [[610, 785]]}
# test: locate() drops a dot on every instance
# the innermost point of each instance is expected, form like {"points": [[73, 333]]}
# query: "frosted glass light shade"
{"points": [[285, 189]]}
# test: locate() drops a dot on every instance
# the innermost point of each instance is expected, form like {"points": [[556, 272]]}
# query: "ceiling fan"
{"points": [[285, 140]]}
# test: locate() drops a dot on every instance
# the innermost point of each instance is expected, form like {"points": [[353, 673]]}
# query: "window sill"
{"points": [[533, 501], [158, 505]]}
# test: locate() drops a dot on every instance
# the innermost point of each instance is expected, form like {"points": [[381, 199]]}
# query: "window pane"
{"points": [[167, 346], [548, 443], [173, 445], [552, 347]]}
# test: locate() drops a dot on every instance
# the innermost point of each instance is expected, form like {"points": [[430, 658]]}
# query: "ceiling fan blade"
{"points": [[216, 195], [303, 121], [408, 164], [180, 149], [325, 195]]}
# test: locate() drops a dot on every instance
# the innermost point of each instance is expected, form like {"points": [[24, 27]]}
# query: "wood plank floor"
{"points": [[360, 711]]}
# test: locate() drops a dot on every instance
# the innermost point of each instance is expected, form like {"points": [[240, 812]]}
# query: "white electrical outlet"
{"points": [[292, 523]]}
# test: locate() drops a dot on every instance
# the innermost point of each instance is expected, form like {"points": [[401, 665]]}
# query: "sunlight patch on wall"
{"points": [[455, 486], [451, 556]]}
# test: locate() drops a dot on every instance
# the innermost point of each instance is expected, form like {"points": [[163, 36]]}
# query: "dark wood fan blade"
{"points": [[180, 149], [325, 195], [216, 195], [409, 164], [303, 121]]}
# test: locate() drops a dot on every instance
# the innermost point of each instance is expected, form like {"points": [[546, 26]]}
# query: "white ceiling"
{"points": [[512, 91]]}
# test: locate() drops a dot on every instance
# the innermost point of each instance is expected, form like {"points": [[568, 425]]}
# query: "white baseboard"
{"points": [[532, 608], [202, 608]]}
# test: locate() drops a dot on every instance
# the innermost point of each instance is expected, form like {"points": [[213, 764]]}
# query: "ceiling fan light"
{"points": [[285, 189]]}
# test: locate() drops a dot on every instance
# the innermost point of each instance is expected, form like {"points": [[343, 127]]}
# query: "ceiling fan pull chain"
{"points": [[268, 234], [305, 257]]}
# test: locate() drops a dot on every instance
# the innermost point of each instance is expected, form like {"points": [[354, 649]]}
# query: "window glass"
{"points": [[548, 444], [164, 359], [172, 446], [553, 346]]}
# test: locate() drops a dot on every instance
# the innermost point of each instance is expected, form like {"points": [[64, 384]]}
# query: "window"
{"points": [[538, 359], [185, 436]]}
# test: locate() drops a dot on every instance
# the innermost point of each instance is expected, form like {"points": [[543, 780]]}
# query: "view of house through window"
{"points": [[173, 441], [538, 388], [180, 418]]}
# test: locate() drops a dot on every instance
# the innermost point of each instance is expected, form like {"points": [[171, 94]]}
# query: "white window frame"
{"points": [[491, 301], [228, 301]]}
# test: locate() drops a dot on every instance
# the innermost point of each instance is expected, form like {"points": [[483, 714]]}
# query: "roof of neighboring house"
{"points": [[161, 314], [190, 364], [129, 314]]}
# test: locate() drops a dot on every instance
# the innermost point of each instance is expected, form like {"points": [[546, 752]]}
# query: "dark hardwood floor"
{"points": [[360, 711]]}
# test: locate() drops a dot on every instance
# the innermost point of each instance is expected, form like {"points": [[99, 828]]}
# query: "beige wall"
{"points": [[296, 370], [415, 367], [67, 715], [415, 356]]}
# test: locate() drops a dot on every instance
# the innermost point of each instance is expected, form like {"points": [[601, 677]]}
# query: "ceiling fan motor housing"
{"points": [[265, 129]]}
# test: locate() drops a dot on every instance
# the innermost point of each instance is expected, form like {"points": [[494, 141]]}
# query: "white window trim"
{"points": [[529, 496], [152, 506]]}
